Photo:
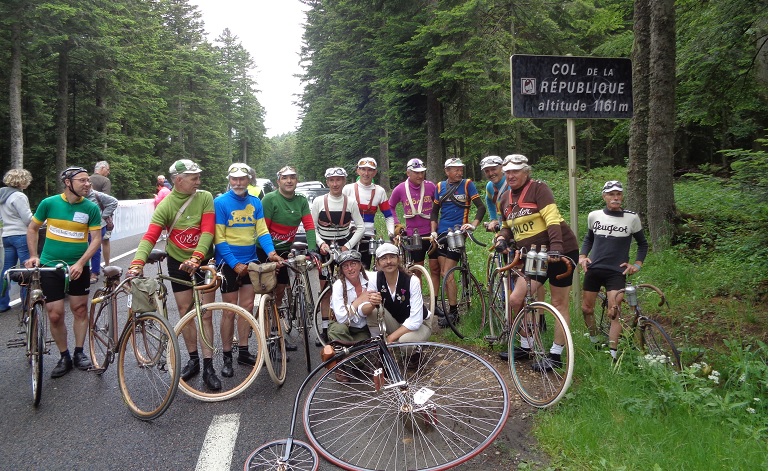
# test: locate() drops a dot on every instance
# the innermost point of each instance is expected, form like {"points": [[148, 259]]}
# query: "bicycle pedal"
{"points": [[490, 338]]}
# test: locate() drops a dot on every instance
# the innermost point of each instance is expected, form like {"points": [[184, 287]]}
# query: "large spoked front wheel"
{"points": [[269, 457], [471, 304], [37, 350], [275, 342], [453, 405], [101, 331], [214, 315], [148, 366], [302, 313], [655, 341], [540, 375]]}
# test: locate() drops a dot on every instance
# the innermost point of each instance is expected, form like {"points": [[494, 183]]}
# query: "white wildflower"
{"points": [[751, 410]]}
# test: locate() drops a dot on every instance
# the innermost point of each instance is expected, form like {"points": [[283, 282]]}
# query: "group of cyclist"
{"points": [[238, 227]]}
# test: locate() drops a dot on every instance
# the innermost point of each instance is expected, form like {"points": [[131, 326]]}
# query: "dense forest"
{"points": [[139, 83]]}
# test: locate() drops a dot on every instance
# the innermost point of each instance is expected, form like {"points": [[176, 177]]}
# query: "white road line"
{"points": [[216, 453]]}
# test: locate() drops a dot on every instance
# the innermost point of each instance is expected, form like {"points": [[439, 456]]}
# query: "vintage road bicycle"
{"points": [[34, 321]]}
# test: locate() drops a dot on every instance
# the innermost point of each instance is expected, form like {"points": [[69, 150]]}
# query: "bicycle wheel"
{"points": [[100, 330], [428, 290], [275, 343], [317, 315], [655, 341], [496, 318], [270, 457], [148, 366], [452, 406], [471, 305], [541, 379], [304, 322], [243, 375], [37, 350]]}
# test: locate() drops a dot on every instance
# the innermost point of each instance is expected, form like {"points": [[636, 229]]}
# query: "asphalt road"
{"points": [[82, 423]]}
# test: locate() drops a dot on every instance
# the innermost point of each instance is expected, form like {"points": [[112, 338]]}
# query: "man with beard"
{"points": [[239, 220]]}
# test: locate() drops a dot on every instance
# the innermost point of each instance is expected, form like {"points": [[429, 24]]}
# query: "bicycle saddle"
{"points": [[112, 271], [299, 246], [156, 255]]}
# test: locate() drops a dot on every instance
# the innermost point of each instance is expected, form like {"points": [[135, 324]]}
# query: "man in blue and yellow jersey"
{"points": [[71, 218], [239, 222]]}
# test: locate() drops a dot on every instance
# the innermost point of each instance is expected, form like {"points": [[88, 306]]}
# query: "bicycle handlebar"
{"points": [[517, 260], [216, 281]]}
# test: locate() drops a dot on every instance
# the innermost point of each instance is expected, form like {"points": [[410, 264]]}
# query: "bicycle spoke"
{"points": [[270, 457], [540, 377], [452, 406]]}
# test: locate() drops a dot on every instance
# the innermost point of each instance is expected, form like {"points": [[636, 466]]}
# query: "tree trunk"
{"points": [[635, 199], [384, 160], [434, 158], [662, 87], [14, 98], [62, 106]]}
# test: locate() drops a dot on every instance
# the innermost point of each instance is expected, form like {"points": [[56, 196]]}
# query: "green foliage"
{"points": [[673, 420]]}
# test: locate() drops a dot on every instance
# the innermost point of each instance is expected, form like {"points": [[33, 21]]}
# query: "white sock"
{"points": [[525, 343], [324, 324], [556, 349], [613, 352]]}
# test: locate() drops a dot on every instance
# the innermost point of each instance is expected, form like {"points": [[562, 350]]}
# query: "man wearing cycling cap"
{"points": [[187, 214], [608, 238], [71, 219], [416, 195], [451, 207], [404, 309], [335, 215], [491, 166], [353, 298], [369, 197], [284, 210], [239, 219]]}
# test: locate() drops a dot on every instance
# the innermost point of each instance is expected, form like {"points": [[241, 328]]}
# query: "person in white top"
{"points": [[335, 215], [370, 198], [401, 292], [353, 298]]}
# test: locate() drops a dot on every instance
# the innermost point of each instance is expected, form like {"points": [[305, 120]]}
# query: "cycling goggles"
{"points": [[336, 172], [491, 161], [367, 162], [612, 185]]}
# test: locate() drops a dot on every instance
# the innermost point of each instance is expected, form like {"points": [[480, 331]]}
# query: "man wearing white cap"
{"points": [[370, 198], [491, 166], [187, 214], [284, 210], [451, 207], [404, 309], [239, 219], [334, 215], [531, 217], [416, 195], [608, 238]]}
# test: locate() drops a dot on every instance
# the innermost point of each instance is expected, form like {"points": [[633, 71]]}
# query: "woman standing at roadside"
{"points": [[16, 216]]}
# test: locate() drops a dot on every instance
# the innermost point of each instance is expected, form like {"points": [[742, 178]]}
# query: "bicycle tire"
{"points": [[269, 457], [100, 330], [655, 341], [463, 407], [317, 315], [546, 387], [37, 350], [496, 317], [275, 342], [148, 387], [244, 375], [471, 316], [428, 290], [304, 324]]}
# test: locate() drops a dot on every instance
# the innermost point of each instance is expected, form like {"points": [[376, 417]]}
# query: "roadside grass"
{"points": [[643, 416]]}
